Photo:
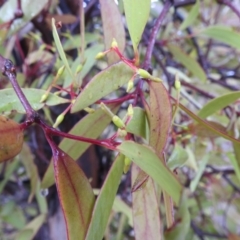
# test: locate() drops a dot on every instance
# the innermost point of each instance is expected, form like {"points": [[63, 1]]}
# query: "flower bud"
{"points": [[44, 97], [130, 86], [58, 120], [121, 133], [130, 110], [127, 164], [114, 43], [100, 55], [79, 68], [118, 121], [60, 71], [177, 83]]}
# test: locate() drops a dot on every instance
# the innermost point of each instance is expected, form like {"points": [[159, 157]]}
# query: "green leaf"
{"points": [[99, 119], [208, 126], [10, 102], [137, 14], [149, 162], [75, 194], [30, 10], [112, 28], [138, 123], [102, 84], [188, 62], [218, 103], [202, 166], [104, 202], [145, 207], [60, 49], [32, 228], [223, 34], [235, 160], [193, 14], [28, 161]]}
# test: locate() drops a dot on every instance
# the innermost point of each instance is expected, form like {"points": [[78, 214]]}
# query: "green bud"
{"points": [[89, 110], [177, 83], [100, 55], [44, 97], [58, 120], [60, 71], [79, 68], [130, 110], [114, 43], [121, 133], [143, 73], [127, 164], [130, 86], [118, 121]]}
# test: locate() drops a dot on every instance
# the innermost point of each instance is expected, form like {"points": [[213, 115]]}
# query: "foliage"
{"points": [[131, 108]]}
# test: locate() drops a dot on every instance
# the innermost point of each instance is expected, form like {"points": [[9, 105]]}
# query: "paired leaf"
{"points": [[104, 202], [188, 62], [223, 34], [75, 194], [137, 14], [112, 28], [145, 209], [218, 103], [102, 84], [149, 162], [10, 102], [99, 119]]}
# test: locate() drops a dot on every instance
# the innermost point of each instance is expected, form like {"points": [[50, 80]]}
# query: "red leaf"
{"points": [[75, 194]]}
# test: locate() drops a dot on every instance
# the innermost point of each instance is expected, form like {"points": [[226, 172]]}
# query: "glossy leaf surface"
{"points": [[104, 202], [75, 194], [112, 28], [190, 63], [10, 102], [145, 209], [102, 84], [99, 119], [218, 103], [148, 161], [137, 13]]}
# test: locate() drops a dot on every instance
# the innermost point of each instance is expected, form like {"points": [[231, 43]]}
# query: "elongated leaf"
{"points": [[31, 169], [30, 230], [10, 102], [223, 34], [209, 126], [189, 20], [146, 215], [30, 10], [137, 13], [102, 84], [188, 62], [112, 28], [60, 48], [99, 119], [104, 202], [75, 194], [149, 162], [218, 103], [235, 160], [160, 116], [138, 123]]}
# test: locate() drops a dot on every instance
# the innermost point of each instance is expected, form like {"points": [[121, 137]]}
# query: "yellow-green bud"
{"points": [[127, 164], [114, 43], [130, 110], [130, 86], [177, 83], [79, 68], [44, 97], [89, 110], [58, 120], [100, 55], [143, 73], [121, 133], [60, 71], [118, 121]]}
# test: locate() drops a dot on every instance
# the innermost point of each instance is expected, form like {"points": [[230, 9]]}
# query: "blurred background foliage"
{"points": [[199, 41]]}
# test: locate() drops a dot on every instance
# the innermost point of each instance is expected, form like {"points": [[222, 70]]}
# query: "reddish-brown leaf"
{"points": [[75, 194]]}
